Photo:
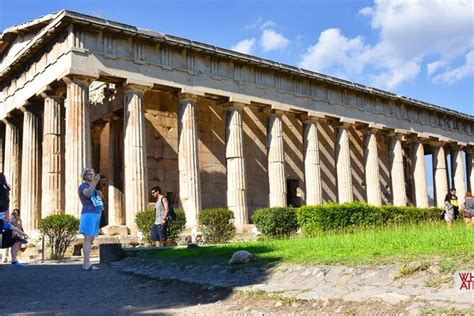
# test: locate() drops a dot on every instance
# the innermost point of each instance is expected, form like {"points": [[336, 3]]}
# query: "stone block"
{"points": [[110, 252], [118, 230]]}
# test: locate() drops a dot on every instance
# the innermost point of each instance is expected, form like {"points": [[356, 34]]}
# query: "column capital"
{"points": [[312, 117], [469, 150], [134, 87], [232, 105], [187, 96], [56, 93], [79, 80]]}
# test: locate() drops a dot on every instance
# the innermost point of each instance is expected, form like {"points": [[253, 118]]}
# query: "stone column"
{"points": [[52, 188], [188, 159], [13, 161], [397, 172], [440, 180], [343, 165], [372, 170], [312, 166], [276, 162], [78, 140], [419, 175], [30, 168], [236, 174], [116, 213], [135, 163], [470, 167], [457, 171]]}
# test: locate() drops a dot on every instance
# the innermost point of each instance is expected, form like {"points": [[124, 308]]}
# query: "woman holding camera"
{"points": [[92, 206]]}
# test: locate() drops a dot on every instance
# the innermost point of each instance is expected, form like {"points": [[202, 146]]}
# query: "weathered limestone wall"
{"points": [[162, 143], [211, 126], [294, 163], [256, 163], [357, 164], [326, 135]]}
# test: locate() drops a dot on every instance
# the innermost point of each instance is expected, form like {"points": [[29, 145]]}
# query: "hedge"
{"points": [[217, 225], [276, 222], [334, 216]]}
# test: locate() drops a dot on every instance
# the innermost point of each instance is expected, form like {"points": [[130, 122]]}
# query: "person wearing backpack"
{"points": [[159, 230]]}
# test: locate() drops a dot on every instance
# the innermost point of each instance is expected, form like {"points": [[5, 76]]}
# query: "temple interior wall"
{"points": [[294, 163], [356, 146], [327, 139], [212, 160], [162, 143], [255, 133], [383, 148]]}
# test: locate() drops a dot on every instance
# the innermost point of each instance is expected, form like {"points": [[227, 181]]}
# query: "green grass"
{"points": [[371, 246]]}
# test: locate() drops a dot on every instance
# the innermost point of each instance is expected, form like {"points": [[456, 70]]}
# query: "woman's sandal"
{"points": [[91, 267]]}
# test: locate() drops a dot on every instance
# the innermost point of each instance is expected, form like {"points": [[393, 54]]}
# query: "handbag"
{"points": [[97, 201]]}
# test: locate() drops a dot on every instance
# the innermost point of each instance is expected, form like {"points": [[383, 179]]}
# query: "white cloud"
{"points": [[245, 46], [268, 25], [272, 40], [459, 73], [408, 32], [431, 68]]}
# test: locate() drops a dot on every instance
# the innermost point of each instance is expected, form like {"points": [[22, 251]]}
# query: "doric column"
{"points": [[372, 172], [78, 140], [236, 174], [312, 166], [419, 175], [30, 168], [397, 172], [457, 171], [188, 159], [343, 165], [134, 153], [116, 211], [440, 180], [276, 162], [13, 161], [52, 188], [470, 167]]}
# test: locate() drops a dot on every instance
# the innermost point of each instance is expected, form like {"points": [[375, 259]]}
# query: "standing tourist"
{"points": [[158, 231], [452, 199], [468, 207], [11, 237], [90, 214]]}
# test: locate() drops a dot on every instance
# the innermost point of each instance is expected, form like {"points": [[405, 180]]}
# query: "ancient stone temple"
{"points": [[212, 127]]}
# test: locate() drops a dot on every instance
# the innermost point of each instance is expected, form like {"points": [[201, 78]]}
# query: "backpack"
{"points": [[171, 212]]}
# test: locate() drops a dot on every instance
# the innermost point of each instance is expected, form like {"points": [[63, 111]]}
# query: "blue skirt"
{"points": [[90, 223]]}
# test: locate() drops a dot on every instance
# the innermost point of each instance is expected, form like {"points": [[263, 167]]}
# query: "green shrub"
{"points": [[146, 219], [61, 231], [276, 222], [334, 216], [217, 225]]}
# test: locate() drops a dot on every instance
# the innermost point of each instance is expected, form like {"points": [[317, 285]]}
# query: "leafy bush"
{"points": [[334, 216], [217, 225], [61, 231], [276, 222], [146, 219]]}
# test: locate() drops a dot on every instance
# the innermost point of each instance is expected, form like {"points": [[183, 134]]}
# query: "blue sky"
{"points": [[421, 49]]}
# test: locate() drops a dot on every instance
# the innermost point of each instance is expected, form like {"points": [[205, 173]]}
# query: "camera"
{"points": [[101, 176]]}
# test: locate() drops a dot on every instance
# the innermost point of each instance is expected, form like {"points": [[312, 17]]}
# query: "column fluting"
{"points": [[30, 166], [12, 165], [276, 162], [419, 175], [397, 172], [440, 180], [457, 168], [52, 188], [188, 160], [134, 154], [236, 173], [343, 165], [312, 166], [372, 170], [78, 140]]}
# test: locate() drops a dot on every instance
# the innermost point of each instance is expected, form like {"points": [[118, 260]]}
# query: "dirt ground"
{"points": [[64, 288]]}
